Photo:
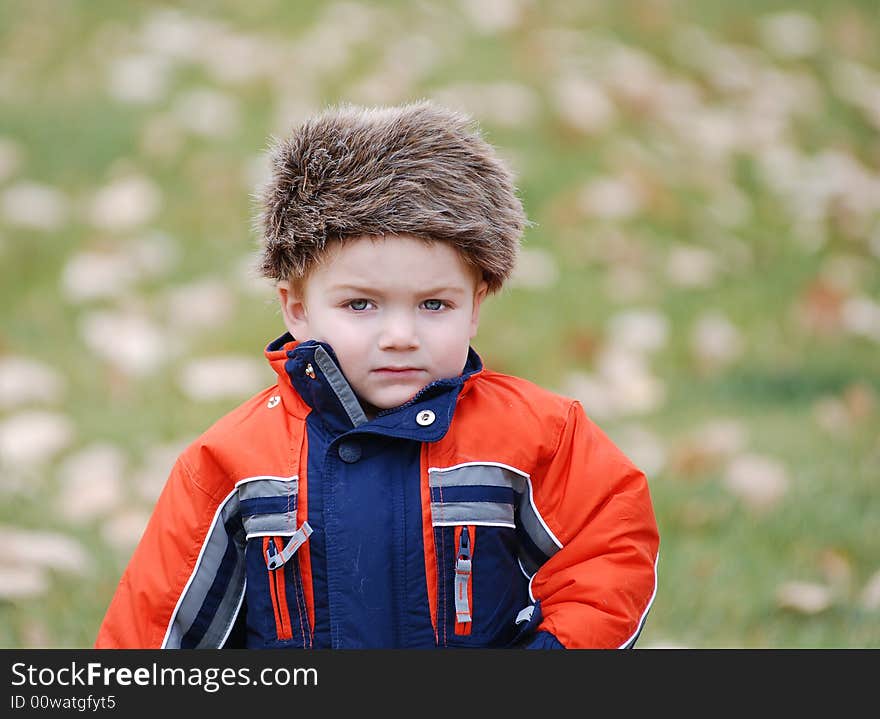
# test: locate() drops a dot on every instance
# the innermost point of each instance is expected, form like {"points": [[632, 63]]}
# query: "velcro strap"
{"points": [[275, 559]]}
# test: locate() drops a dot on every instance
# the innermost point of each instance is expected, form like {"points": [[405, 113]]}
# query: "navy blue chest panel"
{"points": [[276, 615], [475, 511], [366, 548], [366, 545]]}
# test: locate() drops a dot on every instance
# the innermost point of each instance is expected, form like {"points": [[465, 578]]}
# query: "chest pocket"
{"points": [[481, 583], [276, 604]]}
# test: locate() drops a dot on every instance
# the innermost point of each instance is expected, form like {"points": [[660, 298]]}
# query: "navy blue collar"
{"points": [[315, 374]]}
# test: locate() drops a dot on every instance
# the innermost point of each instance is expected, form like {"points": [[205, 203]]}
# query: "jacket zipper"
{"points": [[463, 587], [277, 590]]}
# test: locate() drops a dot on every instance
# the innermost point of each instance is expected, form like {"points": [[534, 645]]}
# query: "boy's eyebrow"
{"points": [[367, 289]]}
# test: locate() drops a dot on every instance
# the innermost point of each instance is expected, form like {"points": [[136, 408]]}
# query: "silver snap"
{"points": [[425, 417], [274, 401]]}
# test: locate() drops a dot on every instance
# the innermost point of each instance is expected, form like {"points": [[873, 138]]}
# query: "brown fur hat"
{"points": [[416, 169]]}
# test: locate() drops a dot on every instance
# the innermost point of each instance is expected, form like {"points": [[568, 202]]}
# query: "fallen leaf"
{"points": [[790, 35], [34, 437], [804, 597], [126, 203], [202, 304], [139, 78], [22, 582], [50, 550], [123, 530], [638, 330], [34, 206], [90, 482], [583, 105], [760, 482], [207, 112], [25, 380], [139, 346], [213, 378], [870, 596]]}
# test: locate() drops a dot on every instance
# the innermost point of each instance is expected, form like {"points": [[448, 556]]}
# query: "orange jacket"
{"points": [[486, 512]]}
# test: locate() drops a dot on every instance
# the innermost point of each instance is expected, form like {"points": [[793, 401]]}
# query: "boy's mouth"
{"points": [[396, 371]]}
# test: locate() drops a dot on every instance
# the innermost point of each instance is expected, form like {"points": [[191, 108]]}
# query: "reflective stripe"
{"points": [[267, 486], [268, 505], [479, 474], [210, 601], [475, 512], [340, 386], [492, 474], [535, 528], [274, 525], [491, 513], [525, 614]]}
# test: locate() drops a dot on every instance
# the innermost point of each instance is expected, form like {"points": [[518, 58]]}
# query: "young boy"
{"points": [[389, 491]]}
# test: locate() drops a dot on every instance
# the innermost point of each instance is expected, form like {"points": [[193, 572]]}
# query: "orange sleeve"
{"points": [[144, 603], [596, 590]]}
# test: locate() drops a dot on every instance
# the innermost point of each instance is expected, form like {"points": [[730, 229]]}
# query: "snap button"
{"points": [[349, 452], [425, 417], [274, 401]]}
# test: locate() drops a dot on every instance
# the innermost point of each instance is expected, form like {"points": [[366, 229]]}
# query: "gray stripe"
{"points": [[528, 566], [268, 487], [484, 475], [282, 525], [493, 476], [340, 387], [226, 613], [533, 527], [471, 512], [206, 570]]}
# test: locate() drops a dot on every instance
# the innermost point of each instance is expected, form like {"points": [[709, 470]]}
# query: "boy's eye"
{"points": [[359, 305], [433, 304]]}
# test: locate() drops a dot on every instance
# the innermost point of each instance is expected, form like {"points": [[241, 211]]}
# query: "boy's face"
{"points": [[399, 313]]}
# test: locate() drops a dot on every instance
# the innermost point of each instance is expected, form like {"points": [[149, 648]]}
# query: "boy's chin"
{"points": [[383, 404]]}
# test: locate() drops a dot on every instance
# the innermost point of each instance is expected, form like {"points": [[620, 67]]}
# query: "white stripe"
{"points": [[287, 533], [531, 579], [480, 464], [645, 613], [235, 616], [265, 476], [476, 524], [195, 570]]}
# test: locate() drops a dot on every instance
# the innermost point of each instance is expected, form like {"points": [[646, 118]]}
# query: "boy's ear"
{"points": [[293, 310], [479, 295]]}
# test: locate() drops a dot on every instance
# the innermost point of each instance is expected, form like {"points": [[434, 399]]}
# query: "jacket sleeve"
{"points": [[597, 587], [184, 583]]}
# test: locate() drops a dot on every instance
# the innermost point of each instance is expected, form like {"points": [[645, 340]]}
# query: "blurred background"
{"points": [[703, 271]]}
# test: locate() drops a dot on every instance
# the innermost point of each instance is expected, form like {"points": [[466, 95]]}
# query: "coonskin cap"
{"points": [[416, 169]]}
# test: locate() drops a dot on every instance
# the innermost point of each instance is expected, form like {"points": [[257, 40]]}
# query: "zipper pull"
{"points": [[463, 577], [275, 559]]}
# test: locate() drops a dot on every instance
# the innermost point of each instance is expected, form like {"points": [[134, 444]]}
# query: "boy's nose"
{"points": [[398, 332]]}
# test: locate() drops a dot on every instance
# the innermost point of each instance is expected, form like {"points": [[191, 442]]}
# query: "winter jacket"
{"points": [[484, 512]]}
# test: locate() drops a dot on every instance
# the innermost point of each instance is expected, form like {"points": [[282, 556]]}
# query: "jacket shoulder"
{"points": [[500, 391], [253, 439], [509, 419]]}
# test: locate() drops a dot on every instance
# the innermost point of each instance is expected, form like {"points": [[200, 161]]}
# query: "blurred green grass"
{"points": [[723, 562]]}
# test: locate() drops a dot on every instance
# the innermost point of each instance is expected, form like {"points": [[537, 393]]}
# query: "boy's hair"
{"points": [[416, 169]]}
